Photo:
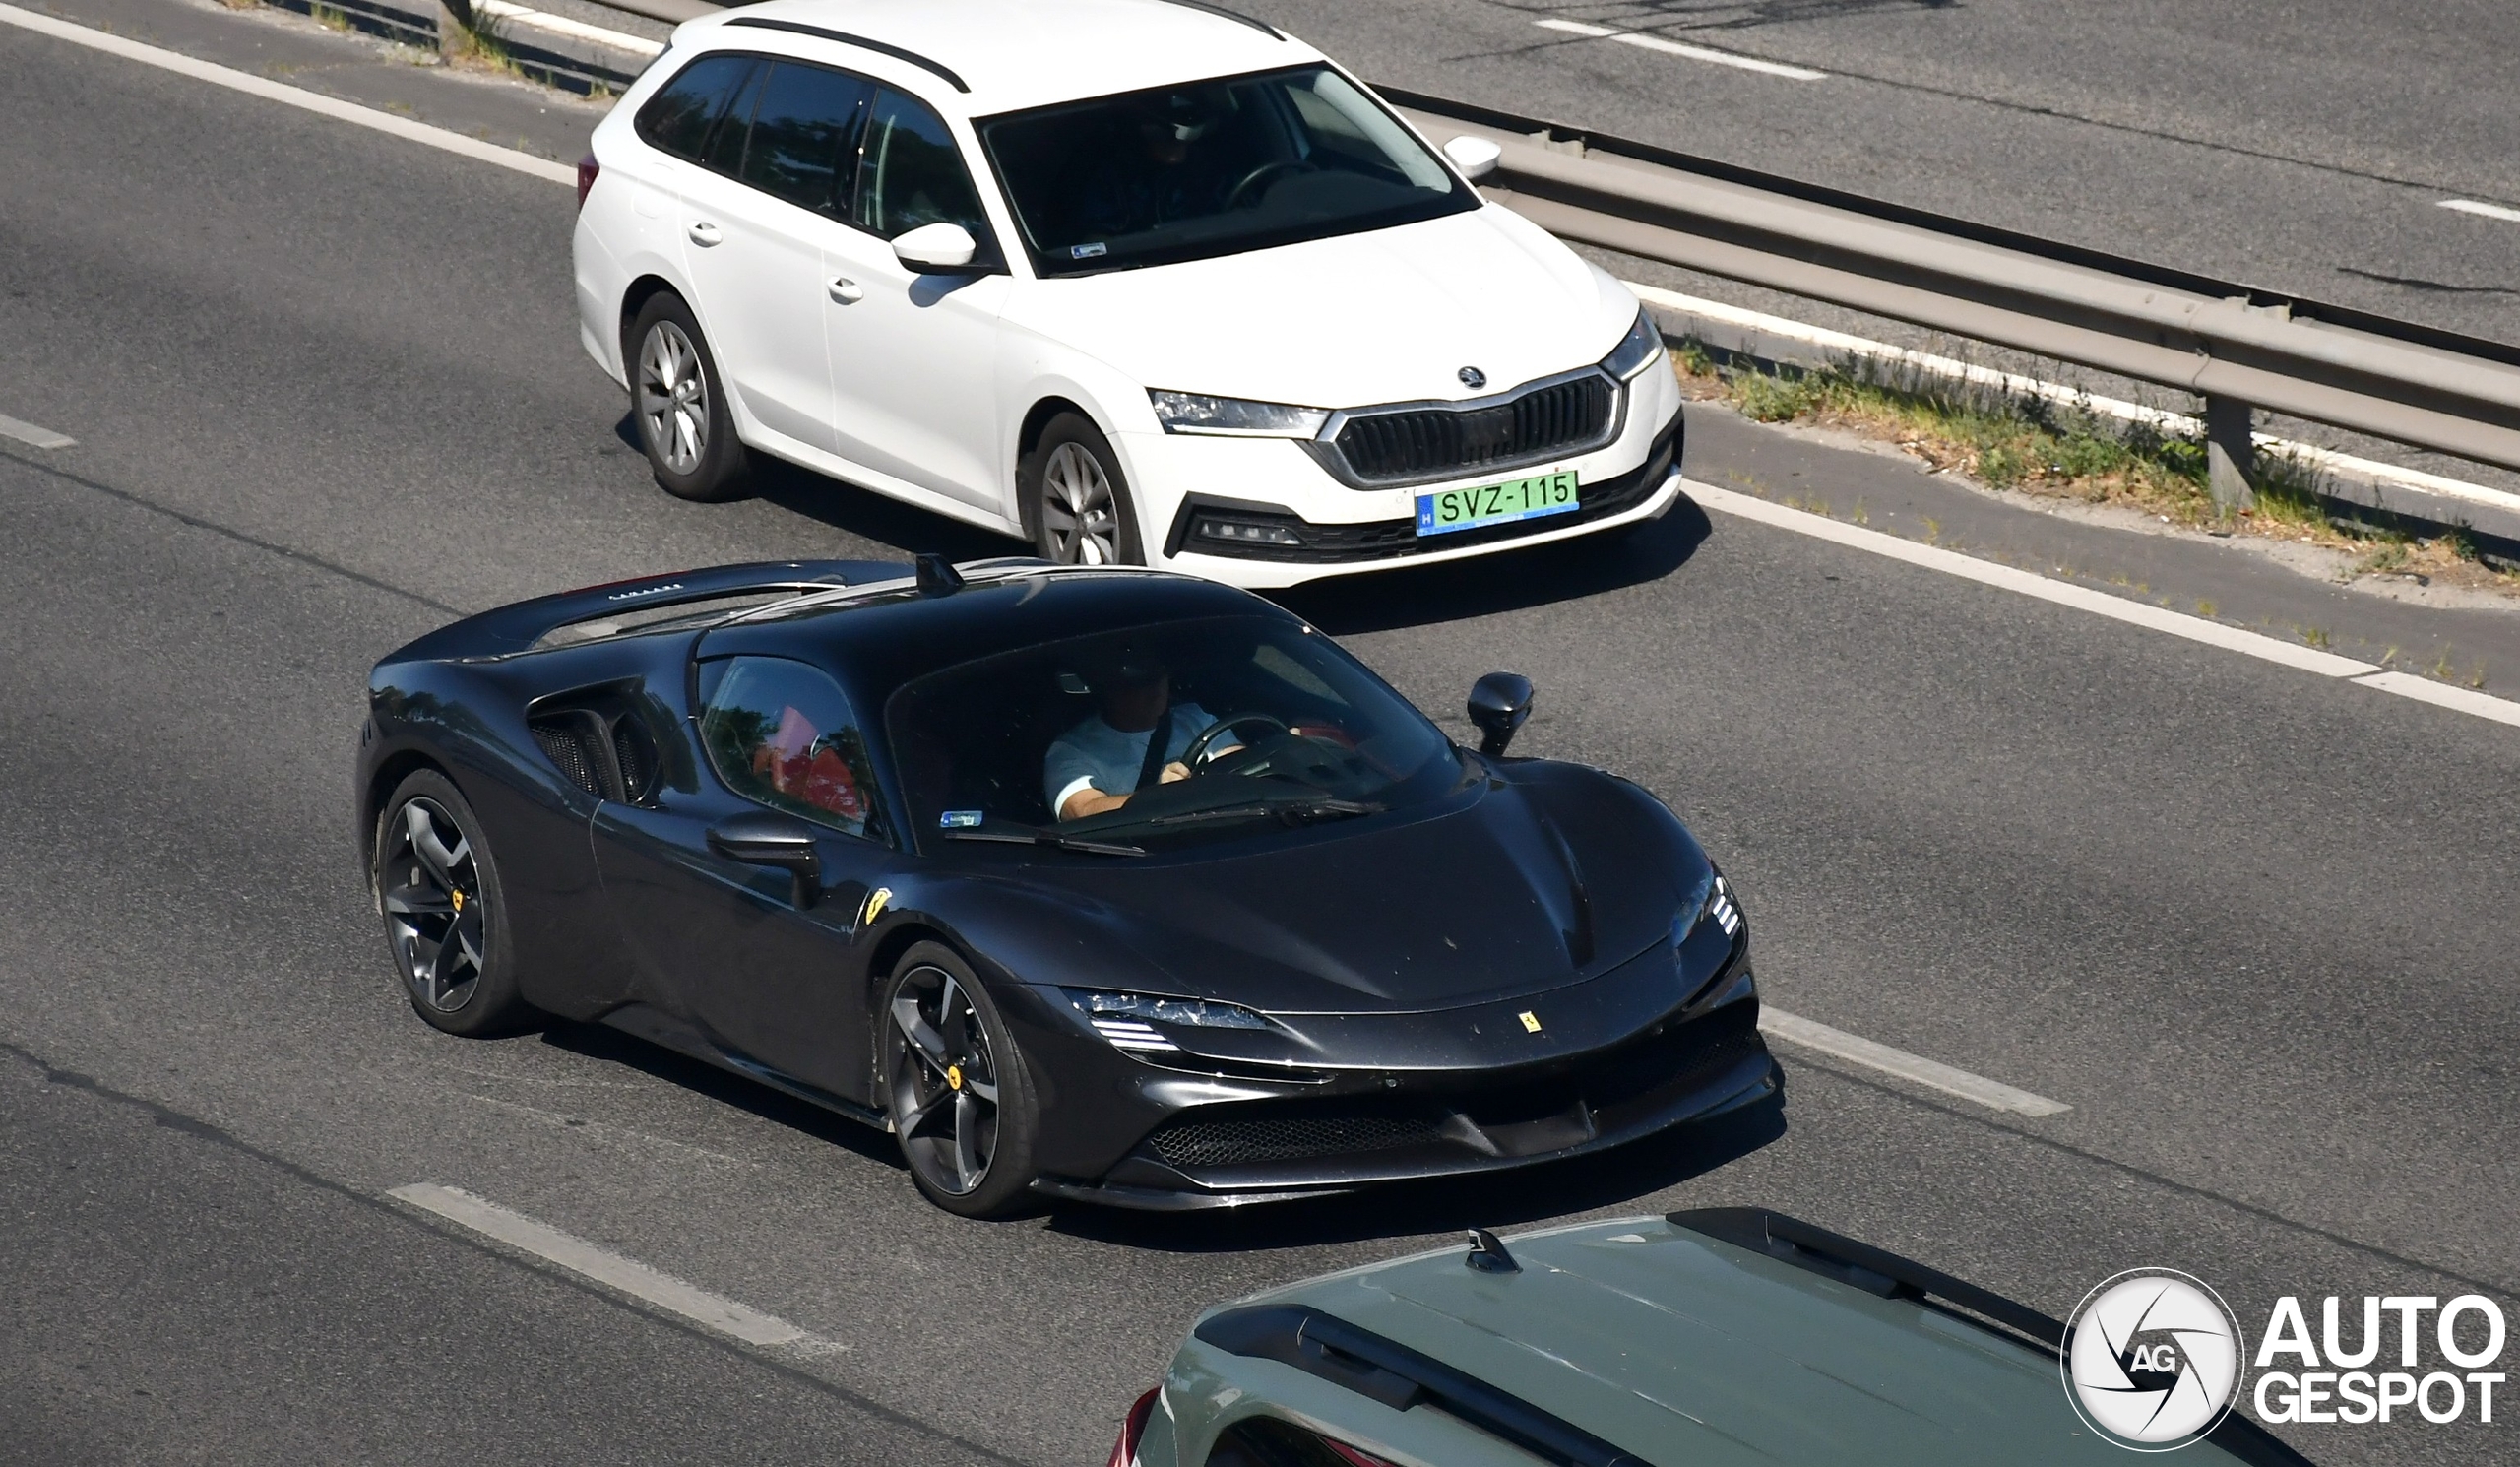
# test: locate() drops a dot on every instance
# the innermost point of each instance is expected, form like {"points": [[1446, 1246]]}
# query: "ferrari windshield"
{"points": [[1160, 737], [1210, 168]]}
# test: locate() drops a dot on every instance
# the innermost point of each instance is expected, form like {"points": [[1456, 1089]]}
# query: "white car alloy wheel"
{"points": [[1078, 509], [674, 397]]}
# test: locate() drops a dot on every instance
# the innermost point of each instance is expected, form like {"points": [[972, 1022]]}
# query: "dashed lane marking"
{"points": [[1709, 54], [1933, 1074], [2487, 211], [608, 1268], [295, 97], [26, 432]]}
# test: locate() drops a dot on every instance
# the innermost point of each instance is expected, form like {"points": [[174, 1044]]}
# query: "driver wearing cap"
{"points": [[1100, 763]]}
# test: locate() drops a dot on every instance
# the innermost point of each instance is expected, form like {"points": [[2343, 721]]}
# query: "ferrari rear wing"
{"points": [[600, 610]]}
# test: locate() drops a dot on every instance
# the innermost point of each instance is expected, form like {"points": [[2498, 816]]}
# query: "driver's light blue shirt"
{"points": [[1096, 754]]}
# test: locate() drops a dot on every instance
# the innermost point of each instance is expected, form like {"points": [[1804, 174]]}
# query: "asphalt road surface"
{"points": [[2303, 147], [2254, 926]]}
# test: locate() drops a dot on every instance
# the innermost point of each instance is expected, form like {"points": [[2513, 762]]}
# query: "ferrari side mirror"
{"points": [[1498, 704], [761, 838]]}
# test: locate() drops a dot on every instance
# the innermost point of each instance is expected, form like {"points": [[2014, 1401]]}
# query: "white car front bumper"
{"points": [[1174, 478]]}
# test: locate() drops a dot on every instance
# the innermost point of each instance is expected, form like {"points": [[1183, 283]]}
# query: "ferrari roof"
{"points": [[1009, 54], [892, 633]]}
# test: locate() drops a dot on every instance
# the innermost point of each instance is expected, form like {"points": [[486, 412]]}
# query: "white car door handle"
{"points": [[703, 232], [846, 290]]}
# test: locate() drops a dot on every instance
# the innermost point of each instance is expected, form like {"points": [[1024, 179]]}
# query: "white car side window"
{"points": [[910, 173]]}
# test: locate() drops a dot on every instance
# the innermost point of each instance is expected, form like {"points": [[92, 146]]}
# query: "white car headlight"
{"points": [[1637, 352], [1233, 417]]}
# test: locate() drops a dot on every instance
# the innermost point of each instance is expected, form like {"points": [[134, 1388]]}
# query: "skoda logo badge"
{"points": [[2152, 1359], [1472, 378]]}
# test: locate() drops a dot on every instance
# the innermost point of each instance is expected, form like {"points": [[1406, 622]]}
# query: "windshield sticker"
{"points": [[1088, 251], [958, 819]]}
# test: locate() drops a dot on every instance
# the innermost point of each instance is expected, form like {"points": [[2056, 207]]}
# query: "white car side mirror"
{"points": [[1474, 157], [937, 247]]}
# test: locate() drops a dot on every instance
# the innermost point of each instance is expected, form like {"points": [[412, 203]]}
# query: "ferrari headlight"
{"points": [[1128, 1020], [1714, 904], [1638, 350], [1232, 418]]}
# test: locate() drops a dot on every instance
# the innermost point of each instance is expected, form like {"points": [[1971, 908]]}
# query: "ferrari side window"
{"points": [[782, 732]]}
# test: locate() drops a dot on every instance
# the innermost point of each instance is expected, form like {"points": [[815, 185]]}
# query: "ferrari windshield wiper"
{"points": [[1051, 837], [1285, 809]]}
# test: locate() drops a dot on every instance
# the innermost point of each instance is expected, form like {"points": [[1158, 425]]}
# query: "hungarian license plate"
{"points": [[1448, 510]]}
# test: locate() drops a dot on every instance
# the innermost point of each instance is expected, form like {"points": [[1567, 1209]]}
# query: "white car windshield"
{"points": [[1210, 168]]}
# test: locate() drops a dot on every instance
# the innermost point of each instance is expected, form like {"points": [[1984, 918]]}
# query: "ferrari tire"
{"points": [[678, 400], [446, 914], [1075, 500], [961, 1100]]}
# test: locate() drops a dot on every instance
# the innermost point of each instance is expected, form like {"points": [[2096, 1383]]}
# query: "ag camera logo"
{"points": [[2154, 1358]]}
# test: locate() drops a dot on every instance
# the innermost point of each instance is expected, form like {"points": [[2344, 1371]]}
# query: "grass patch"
{"points": [[475, 40], [2060, 450]]}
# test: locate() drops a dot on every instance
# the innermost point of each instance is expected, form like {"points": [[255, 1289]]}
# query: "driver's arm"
{"points": [[1092, 801]]}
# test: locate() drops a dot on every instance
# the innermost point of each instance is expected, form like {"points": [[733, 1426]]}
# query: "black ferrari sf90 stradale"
{"points": [[1099, 883]]}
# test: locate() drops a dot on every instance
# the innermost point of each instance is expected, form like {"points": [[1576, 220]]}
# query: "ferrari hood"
{"points": [[1384, 316], [1514, 891]]}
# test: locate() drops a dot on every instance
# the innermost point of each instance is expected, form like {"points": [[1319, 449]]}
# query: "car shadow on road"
{"points": [[595, 1042], [1415, 1209], [1510, 581], [886, 524]]}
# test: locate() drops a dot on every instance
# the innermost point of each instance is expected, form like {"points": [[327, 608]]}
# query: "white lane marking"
{"points": [[26, 432], [2490, 211], [295, 97], [2426, 690], [552, 25], [1680, 48], [2013, 384], [1933, 1074], [2064, 593], [604, 1266]]}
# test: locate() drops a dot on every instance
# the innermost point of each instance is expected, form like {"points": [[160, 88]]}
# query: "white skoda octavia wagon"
{"points": [[1143, 282]]}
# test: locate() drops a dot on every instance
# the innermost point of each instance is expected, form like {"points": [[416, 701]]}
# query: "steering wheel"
{"points": [[1197, 754], [1275, 166]]}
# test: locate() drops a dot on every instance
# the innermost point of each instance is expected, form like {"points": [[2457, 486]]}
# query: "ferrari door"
{"points": [[756, 957]]}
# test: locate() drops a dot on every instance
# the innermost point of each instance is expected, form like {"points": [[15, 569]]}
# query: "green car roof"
{"points": [[1676, 1346]]}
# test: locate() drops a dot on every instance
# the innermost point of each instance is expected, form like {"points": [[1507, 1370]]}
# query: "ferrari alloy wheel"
{"points": [[1076, 500], [959, 1100], [679, 403], [444, 914]]}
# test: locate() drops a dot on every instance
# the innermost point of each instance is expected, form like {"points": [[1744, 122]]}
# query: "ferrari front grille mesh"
{"points": [[1228, 1143], [1411, 444], [567, 742]]}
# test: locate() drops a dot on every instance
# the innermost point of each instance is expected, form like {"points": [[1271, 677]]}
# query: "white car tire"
{"points": [[1075, 499]]}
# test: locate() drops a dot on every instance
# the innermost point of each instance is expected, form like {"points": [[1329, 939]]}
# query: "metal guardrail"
{"points": [[2238, 347]]}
